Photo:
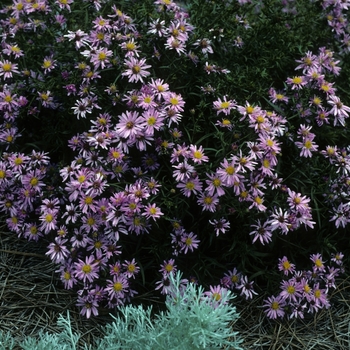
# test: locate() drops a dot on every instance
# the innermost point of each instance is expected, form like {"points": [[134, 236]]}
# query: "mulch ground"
{"points": [[32, 298]]}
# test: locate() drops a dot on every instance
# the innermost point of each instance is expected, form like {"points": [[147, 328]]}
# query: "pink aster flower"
{"points": [[168, 267], [64, 4], [337, 258], [224, 106], [48, 64], [101, 58], [7, 68], [189, 186], [228, 173], [157, 27], [297, 82], [280, 220], [130, 124], [197, 154], [216, 293], [152, 120], [189, 242], [136, 69], [221, 225], [48, 220], [319, 297], [261, 232], [12, 50], [131, 268], [159, 88], [318, 262], [80, 38], [286, 266], [58, 252], [88, 304], [175, 44], [118, 287], [339, 110], [246, 288], [151, 211], [214, 185], [208, 202], [231, 279], [274, 307], [67, 277], [307, 147], [174, 102], [296, 201], [291, 290], [86, 270]]}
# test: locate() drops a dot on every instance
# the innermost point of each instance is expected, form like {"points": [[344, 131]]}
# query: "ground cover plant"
{"points": [[144, 137]]}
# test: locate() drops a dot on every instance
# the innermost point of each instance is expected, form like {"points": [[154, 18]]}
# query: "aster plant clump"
{"points": [[134, 145]]}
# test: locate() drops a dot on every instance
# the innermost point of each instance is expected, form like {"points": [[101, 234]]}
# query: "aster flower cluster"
{"points": [[336, 15], [148, 160], [305, 291], [313, 81], [338, 192]]}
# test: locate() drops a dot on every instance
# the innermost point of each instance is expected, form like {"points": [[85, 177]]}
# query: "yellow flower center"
{"points": [[131, 268], [34, 181], [286, 265], [130, 46], [258, 200], [307, 288], [198, 155], [290, 289], [168, 267], [188, 241], [217, 182], [225, 105], [217, 296], [151, 120], [7, 67], [86, 269], [8, 98], [117, 286], [249, 109], [308, 144], [90, 221], [318, 263], [47, 63], [88, 200], [208, 200], [275, 305], [9, 138], [190, 185], [230, 170], [102, 56], [317, 293], [18, 161], [136, 69], [98, 244], [174, 101], [297, 80], [266, 163], [153, 211], [81, 178], [260, 119]]}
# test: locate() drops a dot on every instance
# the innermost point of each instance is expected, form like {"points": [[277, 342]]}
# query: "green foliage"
{"points": [[192, 321]]}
